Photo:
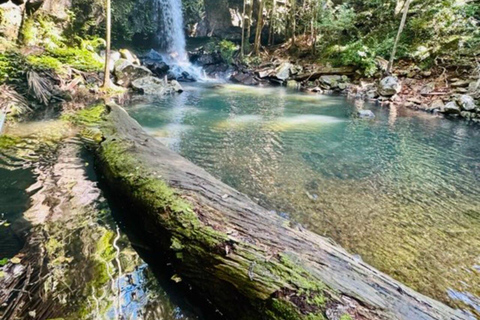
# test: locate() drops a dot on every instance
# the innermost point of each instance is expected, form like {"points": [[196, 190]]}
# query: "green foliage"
{"points": [[12, 67], [227, 50], [45, 62], [77, 58]]}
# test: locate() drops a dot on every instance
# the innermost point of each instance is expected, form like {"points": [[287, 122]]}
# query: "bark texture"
{"points": [[252, 264]]}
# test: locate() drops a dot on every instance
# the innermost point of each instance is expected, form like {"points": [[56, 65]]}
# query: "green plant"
{"points": [[227, 50]]}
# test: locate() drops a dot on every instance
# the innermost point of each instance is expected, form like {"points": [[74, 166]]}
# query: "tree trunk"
{"points": [[106, 80], [249, 26], [244, 21], [271, 32], [258, 33], [399, 34], [250, 262], [293, 18]]}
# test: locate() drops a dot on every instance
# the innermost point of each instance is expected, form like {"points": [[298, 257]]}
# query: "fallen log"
{"points": [[324, 71], [251, 263]]}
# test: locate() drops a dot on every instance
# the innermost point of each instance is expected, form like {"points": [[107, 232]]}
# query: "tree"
{"points": [[399, 34], [258, 33], [106, 79]]}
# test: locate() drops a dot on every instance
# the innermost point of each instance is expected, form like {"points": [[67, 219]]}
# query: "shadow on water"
{"points": [[188, 304]]}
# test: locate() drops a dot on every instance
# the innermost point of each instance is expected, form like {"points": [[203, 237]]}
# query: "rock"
{"points": [[372, 94], [467, 115], [466, 102], [158, 67], [435, 105], [153, 55], [460, 84], [389, 86], [365, 114], [283, 71], [427, 89], [155, 86], [176, 86], [331, 81], [244, 78], [293, 84], [342, 86], [126, 72], [450, 108], [10, 21], [127, 55], [114, 57]]}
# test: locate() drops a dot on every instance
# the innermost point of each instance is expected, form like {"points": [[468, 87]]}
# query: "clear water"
{"points": [[401, 191], [54, 189]]}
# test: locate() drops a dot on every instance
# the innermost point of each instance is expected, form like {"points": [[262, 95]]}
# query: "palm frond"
{"points": [[39, 86], [12, 102]]}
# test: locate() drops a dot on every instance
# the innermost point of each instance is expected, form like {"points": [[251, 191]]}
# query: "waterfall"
{"points": [[172, 40], [172, 36]]}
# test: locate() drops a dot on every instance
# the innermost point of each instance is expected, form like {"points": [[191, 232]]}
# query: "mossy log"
{"points": [[251, 263]]}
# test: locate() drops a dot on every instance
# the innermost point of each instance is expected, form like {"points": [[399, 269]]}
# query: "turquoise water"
{"points": [[401, 191]]}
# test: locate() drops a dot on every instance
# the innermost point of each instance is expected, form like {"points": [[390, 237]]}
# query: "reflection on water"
{"points": [[402, 191], [68, 256]]}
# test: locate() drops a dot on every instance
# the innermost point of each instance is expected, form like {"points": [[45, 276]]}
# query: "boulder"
{"points": [[331, 81], [127, 55], [283, 71], [10, 21], [114, 57], [389, 86], [155, 86], [244, 78], [365, 114], [158, 67], [451, 108], [126, 72], [435, 105], [467, 103]]}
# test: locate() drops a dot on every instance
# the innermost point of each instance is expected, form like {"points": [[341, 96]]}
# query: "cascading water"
{"points": [[173, 42]]}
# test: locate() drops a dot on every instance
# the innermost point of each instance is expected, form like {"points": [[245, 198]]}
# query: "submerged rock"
{"points": [[126, 72], [155, 86], [389, 86], [365, 114]]}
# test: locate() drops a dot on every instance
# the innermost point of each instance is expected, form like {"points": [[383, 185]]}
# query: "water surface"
{"points": [[402, 191]]}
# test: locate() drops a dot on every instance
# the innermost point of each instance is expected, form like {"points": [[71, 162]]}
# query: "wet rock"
{"points": [[126, 72], [155, 86], [450, 108], [389, 86], [467, 115], [244, 78], [365, 114], [293, 84], [158, 67], [467, 103]]}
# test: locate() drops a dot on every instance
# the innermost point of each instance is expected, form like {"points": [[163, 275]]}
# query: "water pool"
{"points": [[402, 191]]}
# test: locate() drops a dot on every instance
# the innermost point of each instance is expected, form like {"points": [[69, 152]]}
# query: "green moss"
{"points": [[346, 317], [86, 117], [8, 141], [78, 58], [45, 62]]}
